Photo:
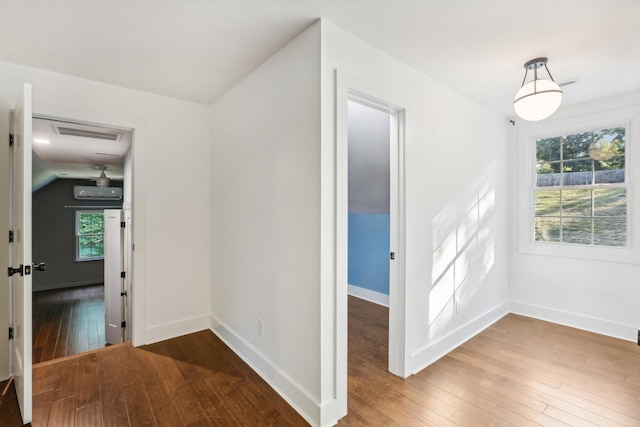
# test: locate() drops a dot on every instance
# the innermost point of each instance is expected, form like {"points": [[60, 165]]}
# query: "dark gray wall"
{"points": [[54, 236], [368, 159]]}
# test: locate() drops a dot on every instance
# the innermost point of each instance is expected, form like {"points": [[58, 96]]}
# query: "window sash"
{"points": [[91, 251], [564, 220]]}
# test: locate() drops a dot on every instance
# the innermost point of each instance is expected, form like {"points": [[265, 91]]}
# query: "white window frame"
{"points": [[527, 136], [78, 235]]}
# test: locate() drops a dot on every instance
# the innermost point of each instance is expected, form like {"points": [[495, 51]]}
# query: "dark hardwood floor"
{"points": [[67, 321], [194, 380], [9, 409], [518, 372]]}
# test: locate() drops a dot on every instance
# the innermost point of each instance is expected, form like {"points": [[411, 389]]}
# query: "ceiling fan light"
{"points": [[102, 180], [537, 100]]}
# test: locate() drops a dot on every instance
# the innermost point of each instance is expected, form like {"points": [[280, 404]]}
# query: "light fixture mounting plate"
{"points": [[535, 63]]}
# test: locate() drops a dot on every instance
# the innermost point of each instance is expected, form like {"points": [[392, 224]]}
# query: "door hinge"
{"points": [[123, 224], [123, 294], [123, 274], [10, 332], [10, 236], [392, 255], [123, 324], [10, 140], [13, 271]]}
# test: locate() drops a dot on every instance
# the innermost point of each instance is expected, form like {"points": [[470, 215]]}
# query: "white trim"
{"points": [[369, 295], [295, 395], [175, 329], [575, 320], [430, 353], [628, 116]]}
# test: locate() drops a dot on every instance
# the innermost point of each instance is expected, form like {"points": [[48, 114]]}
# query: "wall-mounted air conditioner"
{"points": [[97, 193]]}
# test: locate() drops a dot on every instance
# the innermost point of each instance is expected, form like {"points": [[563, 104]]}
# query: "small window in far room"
{"points": [[580, 190], [89, 235]]}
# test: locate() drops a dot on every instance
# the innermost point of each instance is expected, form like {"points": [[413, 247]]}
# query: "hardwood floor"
{"points": [[67, 321], [518, 372], [194, 380], [9, 409]]}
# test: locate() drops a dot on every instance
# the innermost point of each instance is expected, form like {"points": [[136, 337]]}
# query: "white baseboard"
{"points": [[574, 320], [286, 387], [66, 285], [368, 295], [175, 329], [434, 351]]}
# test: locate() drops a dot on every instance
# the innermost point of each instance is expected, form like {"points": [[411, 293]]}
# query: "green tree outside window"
{"points": [[89, 235]]}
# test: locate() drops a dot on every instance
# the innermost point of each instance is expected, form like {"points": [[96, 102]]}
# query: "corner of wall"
{"points": [[295, 395], [431, 353]]}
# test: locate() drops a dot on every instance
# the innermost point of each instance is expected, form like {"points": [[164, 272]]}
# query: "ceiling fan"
{"points": [[102, 180]]}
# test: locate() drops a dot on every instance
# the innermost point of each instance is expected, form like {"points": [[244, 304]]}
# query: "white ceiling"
{"points": [[198, 49], [57, 155]]}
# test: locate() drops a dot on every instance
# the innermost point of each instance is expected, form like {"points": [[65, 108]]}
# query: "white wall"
{"points": [[265, 220], [171, 192], [456, 207], [599, 296]]}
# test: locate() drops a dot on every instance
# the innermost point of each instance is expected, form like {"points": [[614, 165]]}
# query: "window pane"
{"points": [[547, 229], [547, 203], [91, 246], [577, 172], [576, 146], [610, 202], [576, 203], [576, 230], [610, 171], [548, 150], [90, 223], [607, 143], [610, 231]]}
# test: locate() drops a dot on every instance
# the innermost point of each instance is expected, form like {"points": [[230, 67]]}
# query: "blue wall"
{"points": [[369, 251]]}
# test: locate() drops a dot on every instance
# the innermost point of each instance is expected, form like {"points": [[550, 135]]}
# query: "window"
{"points": [[580, 190], [89, 235], [577, 191]]}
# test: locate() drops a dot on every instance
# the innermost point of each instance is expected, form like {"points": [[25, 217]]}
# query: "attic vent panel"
{"points": [[109, 136]]}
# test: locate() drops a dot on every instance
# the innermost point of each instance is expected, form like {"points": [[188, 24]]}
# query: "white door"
{"points": [[21, 253], [114, 289]]}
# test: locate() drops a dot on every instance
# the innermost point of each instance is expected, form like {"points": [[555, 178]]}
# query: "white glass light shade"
{"points": [[537, 100]]}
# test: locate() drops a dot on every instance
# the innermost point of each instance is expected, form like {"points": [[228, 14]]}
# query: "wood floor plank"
{"points": [[67, 383], [88, 393], [63, 412], [89, 415]]}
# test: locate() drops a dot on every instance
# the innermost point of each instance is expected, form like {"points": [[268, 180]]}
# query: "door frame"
{"points": [[349, 87], [137, 187]]}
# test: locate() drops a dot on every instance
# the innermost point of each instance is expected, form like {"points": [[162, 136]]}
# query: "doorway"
{"points": [[374, 187], [80, 170], [354, 89]]}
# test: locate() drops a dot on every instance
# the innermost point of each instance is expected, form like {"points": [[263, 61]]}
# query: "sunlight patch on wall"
{"points": [[463, 242]]}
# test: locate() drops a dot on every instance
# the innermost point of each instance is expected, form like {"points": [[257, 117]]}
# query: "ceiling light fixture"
{"points": [[41, 141], [539, 98], [102, 180]]}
